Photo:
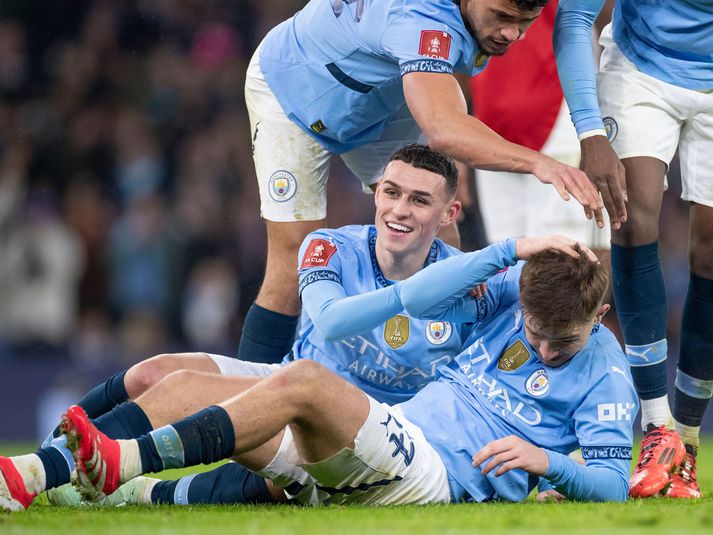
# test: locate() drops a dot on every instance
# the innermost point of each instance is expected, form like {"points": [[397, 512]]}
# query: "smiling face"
{"points": [[497, 24], [411, 205]]}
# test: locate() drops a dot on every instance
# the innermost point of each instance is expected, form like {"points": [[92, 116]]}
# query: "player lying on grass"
{"points": [[540, 378], [588, 401], [349, 324]]}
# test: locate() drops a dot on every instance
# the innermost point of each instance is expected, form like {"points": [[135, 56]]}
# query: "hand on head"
{"points": [[526, 247]]}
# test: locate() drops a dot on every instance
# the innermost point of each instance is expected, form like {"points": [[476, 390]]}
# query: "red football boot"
{"points": [[683, 480], [13, 494], [661, 452], [97, 456]]}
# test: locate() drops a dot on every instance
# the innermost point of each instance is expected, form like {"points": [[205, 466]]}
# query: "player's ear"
{"points": [[451, 213], [376, 187], [602, 311]]}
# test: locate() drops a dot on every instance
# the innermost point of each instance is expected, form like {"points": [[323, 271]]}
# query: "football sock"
{"points": [[99, 400], [127, 420], [47, 468], [204, 437], [694, 376], [655, 412], [640, 296], [689, 434], [228, 484], [267, 336]]}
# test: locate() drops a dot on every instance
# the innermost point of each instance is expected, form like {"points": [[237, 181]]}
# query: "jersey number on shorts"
{"points": [[401, 440]]}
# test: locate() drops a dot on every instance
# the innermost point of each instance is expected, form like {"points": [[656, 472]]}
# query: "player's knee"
{"points": [[149, 372], [300, 381], [701, 259], [176, 379]]}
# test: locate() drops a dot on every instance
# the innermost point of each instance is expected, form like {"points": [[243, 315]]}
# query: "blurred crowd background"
{"points": [[129, 211]]}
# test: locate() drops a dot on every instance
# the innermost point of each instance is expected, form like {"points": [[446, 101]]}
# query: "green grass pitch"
{"points": [[650, 517]]}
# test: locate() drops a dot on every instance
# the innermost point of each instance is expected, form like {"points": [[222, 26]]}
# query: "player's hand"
{"points": [[550, 496], [527, 247], [509, 453], [568, 180], [479, 290], [607, 173]]}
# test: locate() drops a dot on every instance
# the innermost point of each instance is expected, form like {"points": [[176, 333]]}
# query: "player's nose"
{"points": [[510, 33], [401, 207]]}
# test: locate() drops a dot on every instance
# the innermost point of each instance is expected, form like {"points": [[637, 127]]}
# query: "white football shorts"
{"points": [[392, 463], [647, 117], [292, 168], [516, 205], [231, 366]]}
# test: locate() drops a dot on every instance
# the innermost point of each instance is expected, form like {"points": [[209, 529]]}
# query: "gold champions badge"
{"points": [[513, 357], [396, 331]]}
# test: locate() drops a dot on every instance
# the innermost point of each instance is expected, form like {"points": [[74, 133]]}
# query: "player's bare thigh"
{"points": [[149, 372]]}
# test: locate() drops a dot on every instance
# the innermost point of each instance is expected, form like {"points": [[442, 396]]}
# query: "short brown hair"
{"points": [[424, 157], [560, 292]]}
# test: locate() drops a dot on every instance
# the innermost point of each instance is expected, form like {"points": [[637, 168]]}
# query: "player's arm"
{"points": [[335, 314], [598, 481], [572, 41], [603, 424], [438, 106], [442, 289]]}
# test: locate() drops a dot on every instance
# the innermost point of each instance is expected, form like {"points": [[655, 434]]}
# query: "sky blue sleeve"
{"points": [[598, 481], [443, 284], [337, 316], [603, 423], [572, 41], [334, 314]]}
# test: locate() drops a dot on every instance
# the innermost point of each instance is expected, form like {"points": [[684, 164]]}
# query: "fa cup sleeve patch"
{"points": [[435, 44], [318, 254]]}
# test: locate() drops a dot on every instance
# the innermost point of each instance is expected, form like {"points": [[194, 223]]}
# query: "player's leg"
{"points": [[303, 392], [330, 418], [164, 403], [292, 170], [644, 123], [694, 377], [640, 296], [51, 466], [130, 383]]}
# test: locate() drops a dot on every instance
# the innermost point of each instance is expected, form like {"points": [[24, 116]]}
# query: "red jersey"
{"points": [[519, 95]]}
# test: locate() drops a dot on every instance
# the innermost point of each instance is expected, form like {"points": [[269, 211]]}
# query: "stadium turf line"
{"points": [[647, 517]]}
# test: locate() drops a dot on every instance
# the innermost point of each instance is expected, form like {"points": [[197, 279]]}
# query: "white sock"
{"points": [[32, 471], [145, 496], [689, 434], [130, 465], [656, 411]]}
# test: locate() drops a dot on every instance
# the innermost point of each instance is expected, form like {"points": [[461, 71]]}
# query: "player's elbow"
{"points": [[410, 302], [440, 138]]}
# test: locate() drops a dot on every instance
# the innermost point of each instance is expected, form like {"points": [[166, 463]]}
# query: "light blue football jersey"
{"points": [[395, 360], [336, 66], [670, 40], [498, 387]]}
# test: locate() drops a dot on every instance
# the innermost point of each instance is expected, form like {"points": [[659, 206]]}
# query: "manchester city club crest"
{"points": [[282, 186], [611, 128], [538, 384], [396, 331], [480, 59], [513, 357], [438, 332]]}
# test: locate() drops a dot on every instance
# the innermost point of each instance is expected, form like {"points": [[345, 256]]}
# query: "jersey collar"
{"points": [[381, 280]]}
